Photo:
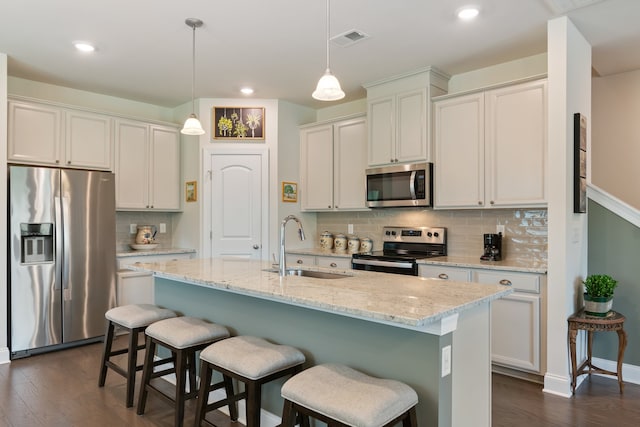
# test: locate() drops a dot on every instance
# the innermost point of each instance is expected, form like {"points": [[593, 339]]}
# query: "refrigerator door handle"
{"points": [[66, 227], [57, 285]]}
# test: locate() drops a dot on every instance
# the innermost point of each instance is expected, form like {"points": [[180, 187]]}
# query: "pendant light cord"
{"points": [[328, 29], [193, 70]]}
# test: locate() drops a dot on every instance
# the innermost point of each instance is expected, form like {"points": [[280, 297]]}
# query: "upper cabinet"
{"points": [[45, 134], [399, 111], [491, 148], [147, 166], [332, 165]]}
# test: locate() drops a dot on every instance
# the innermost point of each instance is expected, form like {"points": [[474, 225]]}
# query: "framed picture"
{"points": [[579, 163], [238, 123], [289, 192], [191, 191]]}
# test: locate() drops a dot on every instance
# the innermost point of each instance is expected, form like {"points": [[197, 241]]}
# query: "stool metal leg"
{"points": [[108, 342]]}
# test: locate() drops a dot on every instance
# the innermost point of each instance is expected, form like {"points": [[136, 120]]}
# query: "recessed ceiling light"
{"points": [[84, 47], [468, 13], [246, 90]]}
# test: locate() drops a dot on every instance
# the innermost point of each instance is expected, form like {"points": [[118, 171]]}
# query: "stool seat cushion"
{"points": [[138, 315], [251, 357], [183, 332], [349, 396]]}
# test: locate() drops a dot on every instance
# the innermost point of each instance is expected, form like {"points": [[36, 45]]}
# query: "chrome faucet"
{"points": [[283, 264]]}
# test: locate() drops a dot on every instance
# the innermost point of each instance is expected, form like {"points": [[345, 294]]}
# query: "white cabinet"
{"points": [[399, 112], [332, 165], [147, 166], [518, 330], [326, 261], [44, 134], [491, 148], [136, 287]]}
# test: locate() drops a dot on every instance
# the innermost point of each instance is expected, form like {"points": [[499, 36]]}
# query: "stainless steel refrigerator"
{"points": [[62, 256]]}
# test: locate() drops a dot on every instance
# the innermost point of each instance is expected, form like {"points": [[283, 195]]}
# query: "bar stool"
{"points": [[134, 319], [183, 336], [251, 360], [341, 396]]}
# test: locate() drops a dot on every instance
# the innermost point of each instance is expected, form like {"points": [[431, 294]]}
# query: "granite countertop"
{"points": [[518, 265], [402, 301], [156, 251]]}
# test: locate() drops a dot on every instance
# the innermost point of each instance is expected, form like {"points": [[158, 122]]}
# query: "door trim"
{"points": [[207, 225]]}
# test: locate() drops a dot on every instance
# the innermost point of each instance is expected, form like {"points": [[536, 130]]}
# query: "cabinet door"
{"points": [[459, 152], [515, 331], [517, 145], [411, 126], [88, 140], [164, 168], [444, 273], [316, 168], [131, 165], [34, 133], [134, 287], [349, 163], [298, 260], [334, 262], [381, 114]]}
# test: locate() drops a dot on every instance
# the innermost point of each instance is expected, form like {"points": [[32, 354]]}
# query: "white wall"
{"points": [[4, 346], [569, 80], [615, 147]]}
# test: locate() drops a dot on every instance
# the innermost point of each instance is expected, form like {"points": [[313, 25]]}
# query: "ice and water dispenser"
{"points": [[36, 243]]}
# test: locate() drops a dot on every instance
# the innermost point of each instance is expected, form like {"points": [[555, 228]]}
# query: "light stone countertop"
{"points": [[156, 251], [402, 301]]}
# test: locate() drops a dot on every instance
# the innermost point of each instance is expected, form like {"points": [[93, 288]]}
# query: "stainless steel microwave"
{"points": [[400, 185]]}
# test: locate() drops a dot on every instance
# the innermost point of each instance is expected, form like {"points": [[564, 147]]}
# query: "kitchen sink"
{"points": [[310, 273]]}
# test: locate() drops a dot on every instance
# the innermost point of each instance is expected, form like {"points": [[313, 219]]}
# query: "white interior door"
{"points": [[238, 204]]}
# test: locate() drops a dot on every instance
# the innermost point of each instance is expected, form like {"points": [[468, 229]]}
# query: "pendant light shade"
{"points": [[328, 88], [192, 125]]}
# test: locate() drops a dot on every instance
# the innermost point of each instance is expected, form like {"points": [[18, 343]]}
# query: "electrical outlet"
{"points": [[500, 229], [446, 361], [350, 228], [163, 227], [133, 228]]}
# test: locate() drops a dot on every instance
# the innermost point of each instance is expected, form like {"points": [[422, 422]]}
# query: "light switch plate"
{"points": [[163, 227], [350, 228], [446, 361], [500, 229], [133, 228]]}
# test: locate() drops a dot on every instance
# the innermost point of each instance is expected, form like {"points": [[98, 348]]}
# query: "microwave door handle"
{"points": [[412, 185]]}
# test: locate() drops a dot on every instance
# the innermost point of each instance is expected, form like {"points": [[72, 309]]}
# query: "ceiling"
{"points": [[278, 46]]}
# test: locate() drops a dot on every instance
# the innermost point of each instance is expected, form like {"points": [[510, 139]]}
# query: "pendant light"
{"points": [[192, 125], [328, 88]]}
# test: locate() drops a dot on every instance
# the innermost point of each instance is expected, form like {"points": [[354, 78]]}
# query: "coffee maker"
{"points": [[492, 247]]}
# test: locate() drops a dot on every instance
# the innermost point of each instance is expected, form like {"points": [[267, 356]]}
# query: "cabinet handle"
{"points": [[57, 161], [329, 206], [480, 202], [491, 202], [300, 261], [506, 282], [256, 246], [336, 206], [333, 264], [396, 160], [68, 162], [443, 276]]}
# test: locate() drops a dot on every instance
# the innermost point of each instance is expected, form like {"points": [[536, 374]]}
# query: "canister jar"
{"points": [[340, 242], [366, 245], [326, 240], [353, 244]]}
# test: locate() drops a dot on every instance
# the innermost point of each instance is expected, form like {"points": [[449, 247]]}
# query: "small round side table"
{"points": [[613, 321]]}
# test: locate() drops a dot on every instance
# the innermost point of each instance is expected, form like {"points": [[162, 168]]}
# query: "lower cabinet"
{"points": [[136, 287], [328, 261], [518, 330]]}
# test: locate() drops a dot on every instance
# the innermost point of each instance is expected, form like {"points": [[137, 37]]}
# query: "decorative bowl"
{"points": [[145, 247]]}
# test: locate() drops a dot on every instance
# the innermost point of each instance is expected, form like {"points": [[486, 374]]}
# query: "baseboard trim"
{"points": [[630, 373], [557, 385], [5, 355]]}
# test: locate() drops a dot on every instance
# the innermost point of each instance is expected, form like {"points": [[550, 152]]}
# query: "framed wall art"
{"points": [[191, 191], [579, 163], [289, 192], [236, 123]]}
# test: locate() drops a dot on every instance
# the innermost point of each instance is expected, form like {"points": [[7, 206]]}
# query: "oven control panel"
{"points": [[434, 235]]}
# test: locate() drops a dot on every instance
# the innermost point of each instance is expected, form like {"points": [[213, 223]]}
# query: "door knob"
{"points": [[256, 246]]}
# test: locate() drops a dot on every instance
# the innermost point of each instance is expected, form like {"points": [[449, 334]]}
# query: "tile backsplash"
{"points": [[124, 237], [525, 229]]}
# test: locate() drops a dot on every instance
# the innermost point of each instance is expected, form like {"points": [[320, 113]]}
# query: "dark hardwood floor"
{"points": [[60, 389]]}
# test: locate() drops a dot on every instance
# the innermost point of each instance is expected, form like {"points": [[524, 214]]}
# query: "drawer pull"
{"points": [[506, 282], [300, 261], [443, 276], [333, 264]]}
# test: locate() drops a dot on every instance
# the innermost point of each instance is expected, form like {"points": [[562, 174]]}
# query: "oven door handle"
{"points": [[377, 263]]}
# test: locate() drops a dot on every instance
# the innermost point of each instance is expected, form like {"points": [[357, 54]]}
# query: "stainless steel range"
{"points": [[402, 248]]}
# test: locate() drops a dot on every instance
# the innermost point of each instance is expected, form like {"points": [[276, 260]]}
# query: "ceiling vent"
{"points": [[348, 38], [560, 7]]}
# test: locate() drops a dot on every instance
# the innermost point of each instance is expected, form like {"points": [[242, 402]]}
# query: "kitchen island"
{"points": [[433, 335]]}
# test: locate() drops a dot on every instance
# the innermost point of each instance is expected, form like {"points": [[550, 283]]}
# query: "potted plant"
{"points": [[598, 294]]}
